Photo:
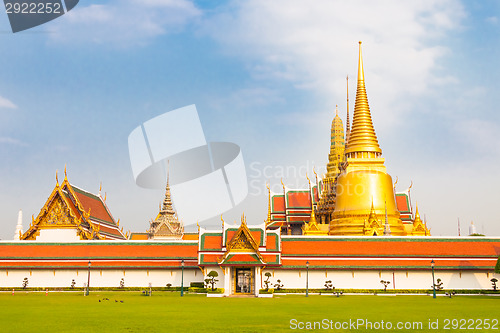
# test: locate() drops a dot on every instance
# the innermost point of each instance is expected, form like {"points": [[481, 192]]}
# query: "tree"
{"points": [[278, 285], [212, 277], [438, 285], [494, 283], [329, 285], [169, 285], [267, 281], [497, 267], [207, 282], [73, 283], [122, 283], [385, 283], [25, 283]]}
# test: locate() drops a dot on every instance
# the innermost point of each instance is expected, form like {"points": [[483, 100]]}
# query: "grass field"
{"points": [[164, 311]]}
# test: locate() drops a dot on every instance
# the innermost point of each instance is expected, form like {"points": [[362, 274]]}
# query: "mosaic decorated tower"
{"points": [[364, 188], [166, 225], [326, 204]]}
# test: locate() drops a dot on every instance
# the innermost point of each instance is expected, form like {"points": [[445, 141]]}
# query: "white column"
{"points": [[257, 281], [227, 281]]}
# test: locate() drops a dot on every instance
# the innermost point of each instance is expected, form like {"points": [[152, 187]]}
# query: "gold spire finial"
{"points": [[362, 137], [417, 215], [57, 178], [336, 109], [269, 205], [348, 122], [65, 175]]}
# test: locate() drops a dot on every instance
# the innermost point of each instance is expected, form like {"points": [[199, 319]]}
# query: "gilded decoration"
{"points": [[56, 214], [242, 241]]}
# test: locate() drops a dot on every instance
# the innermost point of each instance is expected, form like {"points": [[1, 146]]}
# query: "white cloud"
{"points": [[492, 20], [5, 103], [123, 23], [11, 141], [314, 45]]}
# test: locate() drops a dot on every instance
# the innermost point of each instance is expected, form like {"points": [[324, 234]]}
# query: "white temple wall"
{"points": [[362, 279], [99, 278], [56, 235], [292, 279]]}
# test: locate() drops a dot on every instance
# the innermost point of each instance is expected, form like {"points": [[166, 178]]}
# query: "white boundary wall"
{"points": [[363, 279], [99, 278], [292, 279]]}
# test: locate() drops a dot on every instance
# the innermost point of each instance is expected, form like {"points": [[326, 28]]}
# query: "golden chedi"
{"points": [[363, 187]]}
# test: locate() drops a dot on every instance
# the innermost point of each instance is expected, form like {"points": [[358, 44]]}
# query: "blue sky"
{"points": [[265, 75]]}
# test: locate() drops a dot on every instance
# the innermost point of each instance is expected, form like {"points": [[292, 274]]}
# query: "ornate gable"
{"points": [[61, 212], [242, 243]]}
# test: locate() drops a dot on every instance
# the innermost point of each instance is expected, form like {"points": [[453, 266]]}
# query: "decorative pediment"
{"points": [[58, 215], [242, 242], [59, 211]]}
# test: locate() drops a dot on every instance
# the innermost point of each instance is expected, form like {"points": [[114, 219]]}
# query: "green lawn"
{"points": [[164, 311]]}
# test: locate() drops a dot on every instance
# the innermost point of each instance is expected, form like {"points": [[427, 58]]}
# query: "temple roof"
{"points": [[71, 207]]}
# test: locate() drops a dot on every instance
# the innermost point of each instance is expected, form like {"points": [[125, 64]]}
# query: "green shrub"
{"points": [[197, 290], [197, 284], [215, 291], [266, 291]]}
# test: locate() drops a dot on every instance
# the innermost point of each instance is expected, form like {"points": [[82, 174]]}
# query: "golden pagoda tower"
{"points": [[363, 187], [326, 204], [167, 224]]}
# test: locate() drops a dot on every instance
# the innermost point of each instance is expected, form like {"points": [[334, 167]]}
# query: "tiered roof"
{"points": [[166, 224], [70, 207]]}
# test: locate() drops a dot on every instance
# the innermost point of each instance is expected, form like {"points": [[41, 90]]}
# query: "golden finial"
{"points": [[336, 110], [118, 222], [222, 222], [57, 179], [269, 204], [284, 189], [243, 219], [65, 174], [362, 137], [100, 187], [105, 196], [417, 215], [348, 123], [394, 186]]}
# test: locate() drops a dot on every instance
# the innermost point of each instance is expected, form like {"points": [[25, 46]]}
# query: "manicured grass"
{"points": [[165, 311]]}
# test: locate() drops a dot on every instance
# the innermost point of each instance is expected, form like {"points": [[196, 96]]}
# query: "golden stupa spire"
{"points": [[362, 137], [348, 122], [268, 221]]}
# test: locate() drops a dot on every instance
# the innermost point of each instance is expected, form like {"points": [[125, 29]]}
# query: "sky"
{"points": [[265, 75]]}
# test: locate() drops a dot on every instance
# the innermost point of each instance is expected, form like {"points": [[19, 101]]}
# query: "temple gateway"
{"points": [[351, 228]]}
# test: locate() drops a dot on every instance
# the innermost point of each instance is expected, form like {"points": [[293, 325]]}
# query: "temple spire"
{"points": [[348, 122], [19, 226], [387, 227], [268, 221], [362, 136]]}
